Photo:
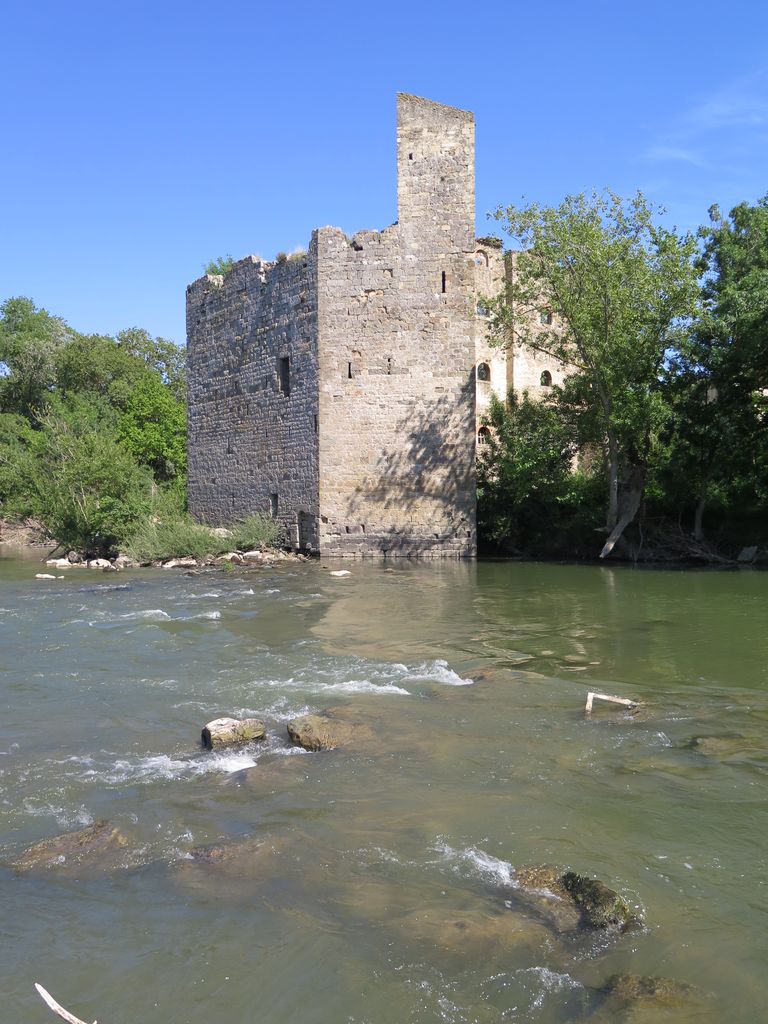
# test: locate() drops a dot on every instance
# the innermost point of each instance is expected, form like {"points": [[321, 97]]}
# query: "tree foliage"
{"points": [[619, 286], [153, 428], [30, 341], [85, 487], [88, 424]]}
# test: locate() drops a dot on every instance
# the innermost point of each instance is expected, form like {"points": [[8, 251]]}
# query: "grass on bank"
{"points": [[156, 539]]}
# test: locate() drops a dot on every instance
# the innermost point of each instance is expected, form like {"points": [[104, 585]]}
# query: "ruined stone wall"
{"points": [[396, 354], [252, 446], [492, 366]]}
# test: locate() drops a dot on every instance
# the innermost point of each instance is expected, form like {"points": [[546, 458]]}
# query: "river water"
{"points": [[388, 882]]}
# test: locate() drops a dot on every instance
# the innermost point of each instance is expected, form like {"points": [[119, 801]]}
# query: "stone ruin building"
{"points": [[342, 390]]}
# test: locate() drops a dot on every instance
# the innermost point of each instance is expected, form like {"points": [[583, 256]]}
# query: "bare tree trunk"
{"points": [[613, 481], [698, 519], [631, 497]]}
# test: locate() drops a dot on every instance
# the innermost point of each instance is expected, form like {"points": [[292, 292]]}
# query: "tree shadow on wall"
{"points": [[430, 471]]}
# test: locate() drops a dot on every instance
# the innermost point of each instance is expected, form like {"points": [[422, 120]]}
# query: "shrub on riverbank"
{"points": [[154, 539]]}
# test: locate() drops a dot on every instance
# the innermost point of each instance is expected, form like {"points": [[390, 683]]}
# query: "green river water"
{"points": [[385, 890]]}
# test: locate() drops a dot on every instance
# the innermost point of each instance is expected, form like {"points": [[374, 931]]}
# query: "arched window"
{"points": [[483, 435], [483, 372], [481, 258], [546, 379]]}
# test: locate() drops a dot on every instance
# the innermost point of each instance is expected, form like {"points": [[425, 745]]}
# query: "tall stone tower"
{"points": [[336, 391]]}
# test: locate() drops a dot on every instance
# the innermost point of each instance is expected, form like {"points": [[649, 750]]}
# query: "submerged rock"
{"points": [[229, 864], [579, 902], [228, 732], [95, 846], [628, 998], [471, 932], [328, 730]]}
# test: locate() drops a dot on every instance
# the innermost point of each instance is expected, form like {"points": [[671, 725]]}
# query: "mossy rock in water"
{"points": [[587, 903], [600, 906], [96, 847]]}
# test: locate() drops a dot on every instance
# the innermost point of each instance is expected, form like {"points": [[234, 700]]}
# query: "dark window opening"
{"points": [[389, 364], [483, 371], [410, 156], [349, 371], [284, 372], [545, 317], [443, 280], [546, 379], [315, 424], [273, 505], [483, 435]]}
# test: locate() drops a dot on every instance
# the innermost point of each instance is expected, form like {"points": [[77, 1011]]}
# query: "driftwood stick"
{"points": [[605, 696], [53, 1005]]}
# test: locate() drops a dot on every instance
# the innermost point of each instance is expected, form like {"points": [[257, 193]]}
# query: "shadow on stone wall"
{"points": [[428, 480]]}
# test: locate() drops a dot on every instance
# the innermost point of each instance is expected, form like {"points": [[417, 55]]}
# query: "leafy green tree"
{"points": [[523, 469], [615, 287], [85, 487], [30, 340], [96, 365], [161, 356], [16, 436], [153, 428], [716, 442]]}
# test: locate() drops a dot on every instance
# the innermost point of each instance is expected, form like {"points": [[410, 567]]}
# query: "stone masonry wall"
{"points": [[489, 282], [396, 322], [252, 446]]}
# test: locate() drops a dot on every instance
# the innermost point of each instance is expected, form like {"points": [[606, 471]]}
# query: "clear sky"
{"points": [[140, 140]]}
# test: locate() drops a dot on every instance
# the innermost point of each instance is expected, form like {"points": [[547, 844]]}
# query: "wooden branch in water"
{"points": [[57, 1009], [605, 696]]}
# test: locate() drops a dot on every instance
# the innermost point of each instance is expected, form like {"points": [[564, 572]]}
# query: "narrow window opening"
{"points": [[284, 373], [546, 379], [389, 364], [349, 371], [273, 505], [443, 282], [410, 156], [315, 424]]}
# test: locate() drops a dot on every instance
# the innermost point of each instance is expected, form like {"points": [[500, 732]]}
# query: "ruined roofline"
{"points": [[407, 98]]}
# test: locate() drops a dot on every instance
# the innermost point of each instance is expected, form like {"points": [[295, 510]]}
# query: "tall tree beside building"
{"points": [[618, 285]]}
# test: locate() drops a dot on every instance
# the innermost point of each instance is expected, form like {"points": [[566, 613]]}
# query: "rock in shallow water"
{"points": [[585, 903], [228, 732], [327, 731], [96, 846]]}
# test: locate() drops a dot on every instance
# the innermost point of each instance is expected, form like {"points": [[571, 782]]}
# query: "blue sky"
{"points": [[140, 140]]}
